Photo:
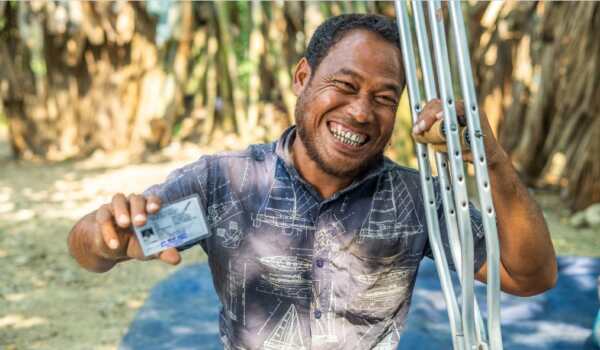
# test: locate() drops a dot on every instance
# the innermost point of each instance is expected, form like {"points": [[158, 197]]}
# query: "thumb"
{"points": [[170, 256]]}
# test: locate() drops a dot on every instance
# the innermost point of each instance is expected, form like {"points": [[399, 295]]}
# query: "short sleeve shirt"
{"points": [[295, 271]]}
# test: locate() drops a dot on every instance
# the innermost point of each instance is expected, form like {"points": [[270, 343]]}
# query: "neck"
{"points": [[325, 183]]}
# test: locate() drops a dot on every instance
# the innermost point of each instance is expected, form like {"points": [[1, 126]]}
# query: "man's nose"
{"points": [[361, 110]]}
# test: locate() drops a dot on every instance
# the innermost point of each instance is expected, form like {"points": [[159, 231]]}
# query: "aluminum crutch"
{"points": [[470, 316], [481, 175], [441, 159], [427, 181]]}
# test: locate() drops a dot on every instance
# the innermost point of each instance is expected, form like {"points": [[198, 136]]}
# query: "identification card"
{"points": [[174, 225]]}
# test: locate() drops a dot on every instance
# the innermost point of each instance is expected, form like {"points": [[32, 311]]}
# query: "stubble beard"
{"points": [[313, 153]]}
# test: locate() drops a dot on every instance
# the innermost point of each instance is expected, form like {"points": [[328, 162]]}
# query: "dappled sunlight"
{"points": [[15, 297], [107, 97], [19, 321], [39, 203], [22, 215], [541, 333], [135, 304]]}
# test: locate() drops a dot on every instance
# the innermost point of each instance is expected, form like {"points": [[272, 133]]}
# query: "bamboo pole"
{"points": [[230, 68], [255, 51]]}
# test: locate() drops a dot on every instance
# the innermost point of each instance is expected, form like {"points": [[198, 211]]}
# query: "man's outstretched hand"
{"points": [[105, 237]]}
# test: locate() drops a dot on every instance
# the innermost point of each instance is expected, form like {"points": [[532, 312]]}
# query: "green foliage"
{"points": [[241, 41], [176, 129]]}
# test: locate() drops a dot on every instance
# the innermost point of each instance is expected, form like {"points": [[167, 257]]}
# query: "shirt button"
{"points": [[317, 314], [319, 262]]}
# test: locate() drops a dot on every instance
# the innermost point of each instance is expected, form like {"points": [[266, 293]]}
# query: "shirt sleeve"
{"points": [[477, 231], [183, 182]]}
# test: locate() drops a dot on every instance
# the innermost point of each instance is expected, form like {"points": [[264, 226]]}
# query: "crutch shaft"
{"points": [[456, 167], [441, 156], [481, 174], [426, 180]]}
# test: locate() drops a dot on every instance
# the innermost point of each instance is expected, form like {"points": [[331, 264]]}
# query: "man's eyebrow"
{"points": [[386, 86], [350, 72], [394, 87]]}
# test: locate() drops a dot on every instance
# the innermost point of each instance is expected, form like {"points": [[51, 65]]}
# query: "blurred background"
{"points": [[100, 97]]}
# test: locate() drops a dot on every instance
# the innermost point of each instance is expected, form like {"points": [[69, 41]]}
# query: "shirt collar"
{"points": [[283, 150]]}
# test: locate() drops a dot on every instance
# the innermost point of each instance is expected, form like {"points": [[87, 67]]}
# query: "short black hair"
{"points": [[333, 30]]}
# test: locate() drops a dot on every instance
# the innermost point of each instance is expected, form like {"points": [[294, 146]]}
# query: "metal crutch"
{"points": [[427, 181], [441, 158], [481, 175], [472, 339]]}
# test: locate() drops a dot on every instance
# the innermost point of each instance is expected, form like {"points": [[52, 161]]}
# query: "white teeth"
{"points": [[347, 137]]}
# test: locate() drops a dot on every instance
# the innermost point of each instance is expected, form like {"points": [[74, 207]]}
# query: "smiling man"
{"points": [[317, 237]]}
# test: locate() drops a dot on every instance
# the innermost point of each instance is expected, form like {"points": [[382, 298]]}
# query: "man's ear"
{"points": [[302, 74]]}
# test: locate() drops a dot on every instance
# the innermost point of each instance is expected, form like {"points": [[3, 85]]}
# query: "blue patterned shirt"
{"points": [[295, 271]]}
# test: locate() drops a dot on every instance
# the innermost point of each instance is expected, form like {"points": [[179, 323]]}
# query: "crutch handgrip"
{"points": [[436, 135]]}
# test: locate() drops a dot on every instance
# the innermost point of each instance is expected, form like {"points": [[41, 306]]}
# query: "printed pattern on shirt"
{"points": [[294, 271]]}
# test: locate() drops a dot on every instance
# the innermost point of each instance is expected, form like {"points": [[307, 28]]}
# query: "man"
{"points": [[317, 237]]}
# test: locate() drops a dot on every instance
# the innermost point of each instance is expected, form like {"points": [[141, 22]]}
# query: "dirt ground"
{"points": [[47, 302]]}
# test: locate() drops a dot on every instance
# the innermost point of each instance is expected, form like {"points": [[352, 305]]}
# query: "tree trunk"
{"points": [[81, 76], [538, 66], [134, 76]]}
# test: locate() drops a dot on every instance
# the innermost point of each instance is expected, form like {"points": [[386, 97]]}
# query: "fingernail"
{"points": [[439, 115], [139, 218], [113, 244], [123, 219], [152, 207], [421, 125]]}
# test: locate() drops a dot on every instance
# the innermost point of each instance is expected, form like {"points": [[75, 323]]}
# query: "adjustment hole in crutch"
{"points": [[460, 178], [450, 102], [427, 178], [489, 210], [451, 211], [473, 108], [464, 204], [430, 202], [485, 184], [447, 188], [457, 153], [481, 159]]}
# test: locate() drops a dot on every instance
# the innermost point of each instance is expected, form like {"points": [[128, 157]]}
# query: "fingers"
{"points": [[152, 204], [170, 256], [120, 210], [125, 211], [433, 112], [104, 218], [429, 115], [137, 205]]}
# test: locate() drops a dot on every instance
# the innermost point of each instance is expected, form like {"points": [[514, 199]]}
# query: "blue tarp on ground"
{"points": [[182, 312]]}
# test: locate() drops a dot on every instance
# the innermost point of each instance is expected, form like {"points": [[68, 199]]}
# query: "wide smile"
{"points": [[349, 138]]}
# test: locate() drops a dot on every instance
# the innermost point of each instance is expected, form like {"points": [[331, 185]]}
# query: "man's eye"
{"points": [[345, 85], [386, 100]]}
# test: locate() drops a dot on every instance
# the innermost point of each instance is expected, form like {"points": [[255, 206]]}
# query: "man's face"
{"points": [[345, 112]]}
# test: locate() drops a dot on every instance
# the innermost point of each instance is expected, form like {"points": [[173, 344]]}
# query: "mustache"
{"points": [[352, 123]]}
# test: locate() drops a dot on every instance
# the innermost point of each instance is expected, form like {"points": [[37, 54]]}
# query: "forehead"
{"points": [[365, 52]]}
